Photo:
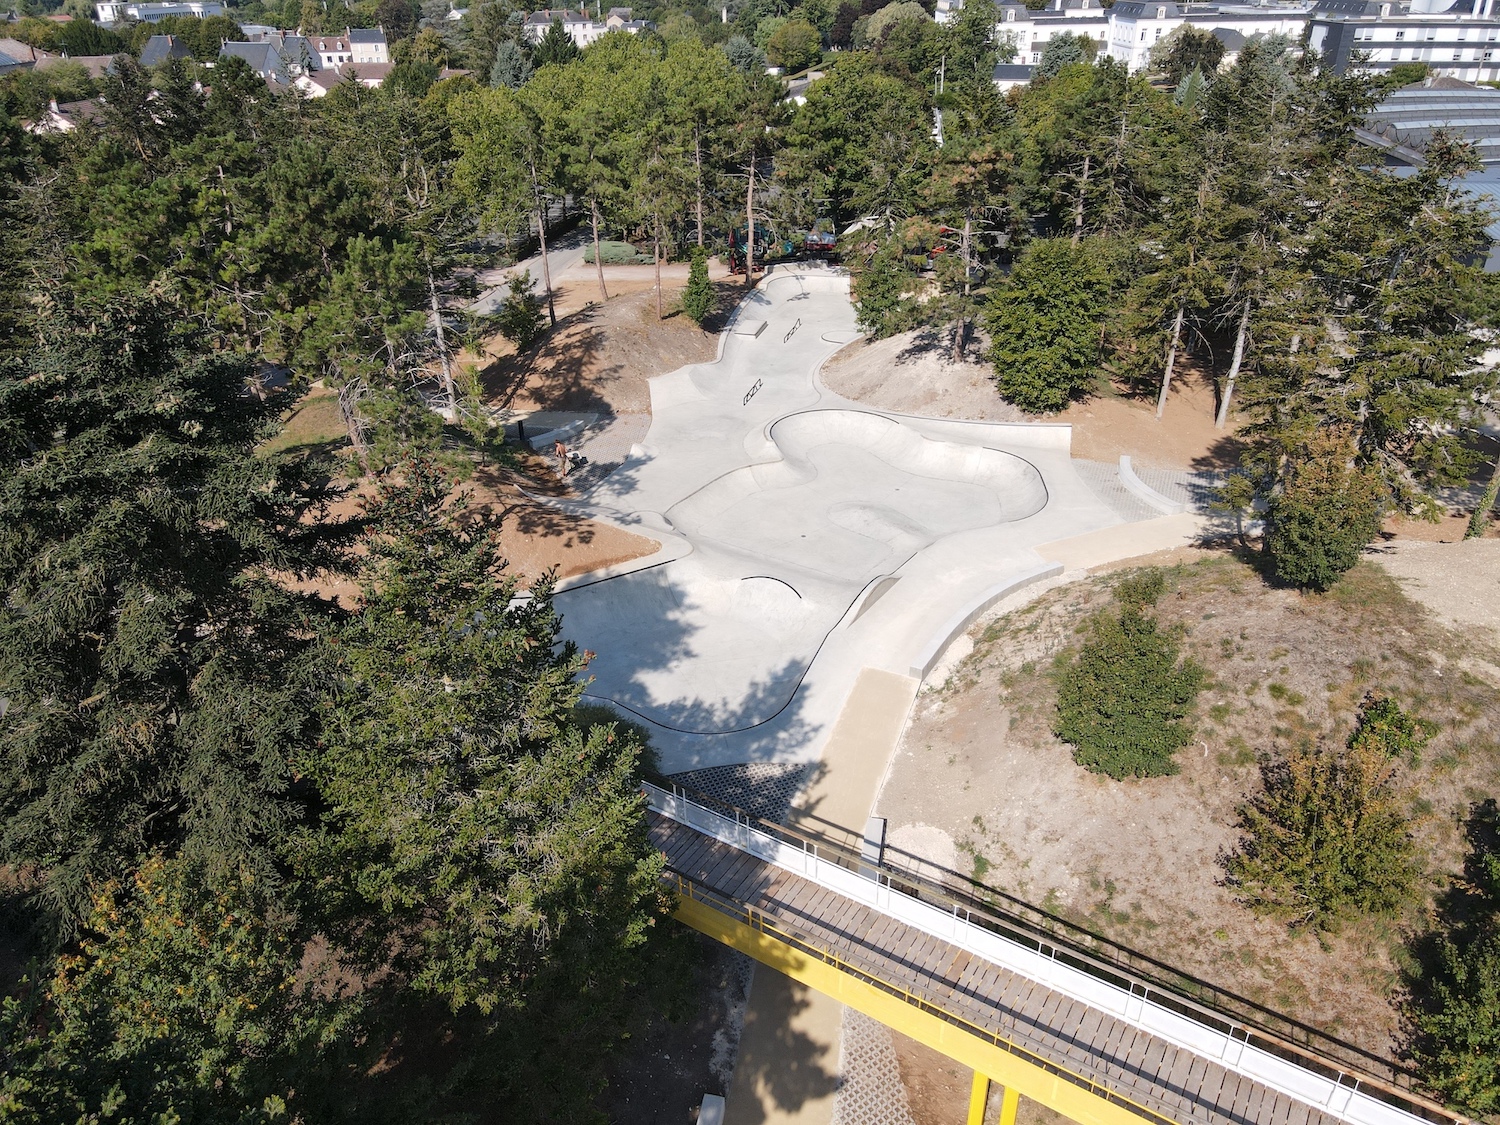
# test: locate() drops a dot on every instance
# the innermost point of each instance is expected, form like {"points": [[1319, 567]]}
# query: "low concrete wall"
{"points": [[923, 662], [1144, 491]]}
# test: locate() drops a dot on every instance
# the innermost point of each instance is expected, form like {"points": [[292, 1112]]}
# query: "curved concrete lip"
{"points": [[805, 537]]}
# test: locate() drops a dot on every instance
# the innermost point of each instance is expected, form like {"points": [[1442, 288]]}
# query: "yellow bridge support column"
{"points": [[1010, 1101], [979, 1097]]}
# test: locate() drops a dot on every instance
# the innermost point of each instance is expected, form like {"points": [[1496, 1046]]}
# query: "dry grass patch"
{"points": [[1140, 860]]}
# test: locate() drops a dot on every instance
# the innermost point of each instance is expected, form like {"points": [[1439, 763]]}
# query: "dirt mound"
{"points": [[600, 356], [914, 373]]}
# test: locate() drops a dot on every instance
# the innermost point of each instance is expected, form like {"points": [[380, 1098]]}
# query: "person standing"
{"points": [[562, 457]]}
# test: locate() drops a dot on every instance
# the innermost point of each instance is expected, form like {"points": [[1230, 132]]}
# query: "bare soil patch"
{"points": [[914, 373], [600, 357], [1108, 425], [980, 771]]}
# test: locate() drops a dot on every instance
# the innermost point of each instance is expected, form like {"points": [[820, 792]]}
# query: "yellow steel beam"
{"points": [[979, 1097], [1010, 1101], [1015, 1072]]}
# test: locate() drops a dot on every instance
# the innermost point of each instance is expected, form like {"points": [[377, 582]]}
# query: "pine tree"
{"points": [[1123, 700], [477, 832], [182, 1003], [1328, 836], [698, 297], [1326, 512], [156, 674]]}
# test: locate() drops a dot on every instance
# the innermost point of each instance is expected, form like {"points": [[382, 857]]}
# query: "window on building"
{"points": [[1431, 34], [1143, 37], [1161, 13], [1457, 55], [1488, 55], [1400, 35], [1158, 33]]}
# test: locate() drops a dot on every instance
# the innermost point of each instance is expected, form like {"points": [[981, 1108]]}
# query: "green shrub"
{"points": [[1327, 836], [1044, 324], [1452, 1014], [616, 254], [520, 314], [1383, 726], [1328, 509], [1123, 701], [698, 297]]}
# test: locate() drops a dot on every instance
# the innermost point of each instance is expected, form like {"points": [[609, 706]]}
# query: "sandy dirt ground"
{"points": [[979, 778], [600, 357], [1104, 427], [1458, 581], [913, 373]]}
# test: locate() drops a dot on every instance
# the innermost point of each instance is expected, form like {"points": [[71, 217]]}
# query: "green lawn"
{"points": [[314, 421]]}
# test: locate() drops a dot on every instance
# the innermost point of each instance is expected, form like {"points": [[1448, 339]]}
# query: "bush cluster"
{"points": [[1329, 835], [1123, 701]]}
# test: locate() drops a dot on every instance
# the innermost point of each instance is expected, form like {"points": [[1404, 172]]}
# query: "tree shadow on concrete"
{"points": [[784, 1067]]}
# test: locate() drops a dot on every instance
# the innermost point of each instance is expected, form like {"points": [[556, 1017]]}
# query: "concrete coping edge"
{"points": [[955, 625], [1145, 492]]}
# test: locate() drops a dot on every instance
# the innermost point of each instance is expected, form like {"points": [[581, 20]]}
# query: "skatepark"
{"points": [[805, 538]]}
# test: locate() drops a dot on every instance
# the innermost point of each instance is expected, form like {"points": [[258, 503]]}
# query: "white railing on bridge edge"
{"points": [[1327, 1095]]}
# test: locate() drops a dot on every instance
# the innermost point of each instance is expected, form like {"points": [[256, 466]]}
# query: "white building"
{"points": [[356, 45], [1457, 38], [119, 11], [583, 30], [1130, 29]]}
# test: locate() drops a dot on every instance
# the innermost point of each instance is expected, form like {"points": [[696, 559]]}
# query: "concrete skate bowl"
{"points": [[855, 495], [785, 285]]}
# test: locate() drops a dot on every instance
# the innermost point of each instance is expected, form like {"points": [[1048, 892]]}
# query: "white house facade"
{"points": [[119, 11], [1456, 38]]}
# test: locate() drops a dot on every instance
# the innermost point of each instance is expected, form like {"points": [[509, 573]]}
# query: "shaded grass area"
{"points": [[314, 423]]}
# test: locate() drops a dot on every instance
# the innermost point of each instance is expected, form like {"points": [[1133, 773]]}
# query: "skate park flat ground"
{"points": [[805, 537]]}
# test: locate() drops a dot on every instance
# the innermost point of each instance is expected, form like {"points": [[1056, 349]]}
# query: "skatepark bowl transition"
{"points": [[815, 551]]}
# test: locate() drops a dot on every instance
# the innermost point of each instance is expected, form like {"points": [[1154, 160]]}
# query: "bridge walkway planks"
{"points": [[1174, 1082]]}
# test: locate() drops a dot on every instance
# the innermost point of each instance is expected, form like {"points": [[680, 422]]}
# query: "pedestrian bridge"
{"points": [[1099, 1033]]}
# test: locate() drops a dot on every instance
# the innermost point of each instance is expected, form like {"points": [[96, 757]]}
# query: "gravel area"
{"points": [[1458, 582]]}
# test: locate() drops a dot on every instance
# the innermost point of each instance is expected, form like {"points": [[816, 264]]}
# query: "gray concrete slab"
{"points": [[805, 537]]}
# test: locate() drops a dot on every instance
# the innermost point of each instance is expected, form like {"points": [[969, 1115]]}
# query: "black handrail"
{"points": [[1031, 926]]}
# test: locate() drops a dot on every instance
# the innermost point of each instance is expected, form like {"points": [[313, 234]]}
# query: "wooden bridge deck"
{"points": [[1173, 1082]]}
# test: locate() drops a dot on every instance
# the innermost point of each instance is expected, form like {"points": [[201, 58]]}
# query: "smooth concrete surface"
{"points": [[805, 538], [842, 789], [787, 1069], [1127, 541]]}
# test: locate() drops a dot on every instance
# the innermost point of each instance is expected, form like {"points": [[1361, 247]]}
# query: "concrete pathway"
{"points": [[566, 251], [805, 537]]}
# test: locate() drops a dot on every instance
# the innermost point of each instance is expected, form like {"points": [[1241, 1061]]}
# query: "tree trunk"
{"points": [[656, 260], [598, 261], [750, 226], [442, 342], [541, 226], [960, 330], [1083, 184], [698, 170], [1481, 517], [349, 396], [1166, 375], [1234, 366]]}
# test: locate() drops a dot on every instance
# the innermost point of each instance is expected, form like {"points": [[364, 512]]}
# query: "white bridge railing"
{"points": [[1338, 1095]]}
